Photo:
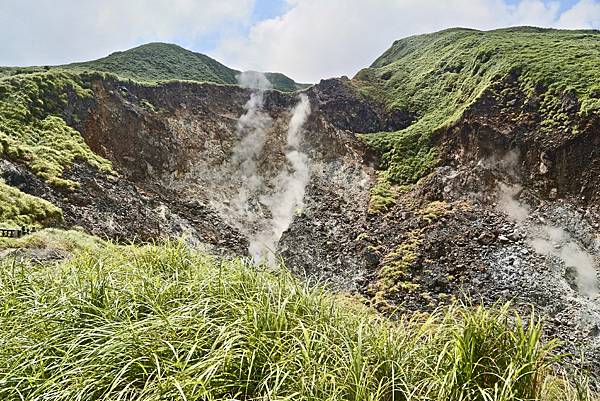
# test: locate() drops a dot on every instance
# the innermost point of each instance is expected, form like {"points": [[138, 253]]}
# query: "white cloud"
{"points": [[313, 39], [585, 14], [324, 38], [58, 31]]}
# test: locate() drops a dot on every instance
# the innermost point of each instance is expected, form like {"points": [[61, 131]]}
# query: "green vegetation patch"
{"points": [[168, 323], [159, 62], [156, 62], [382, 196], [436, 77], [53, 238], [32, 129], [18, 208], [396, 270], [398, 267], [433, 211], [284, 83]]}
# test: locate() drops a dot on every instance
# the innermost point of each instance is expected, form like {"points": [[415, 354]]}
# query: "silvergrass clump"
{"points": [[163, 322]]}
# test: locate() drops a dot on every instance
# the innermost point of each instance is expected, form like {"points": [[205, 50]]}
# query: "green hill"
{"points": [[162, 61], [283, 82], [436, 77]]}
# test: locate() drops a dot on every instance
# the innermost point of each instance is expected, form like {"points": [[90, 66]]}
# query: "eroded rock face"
{"points": [[112, 207], [346, 109], [453, 234], [172, 148]]}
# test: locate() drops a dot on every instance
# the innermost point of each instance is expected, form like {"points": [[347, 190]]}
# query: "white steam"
{"points": [[266, 209], [253, 80], [251, 130], [548, 240], [555, 241], [290, 187], [508, 203]]}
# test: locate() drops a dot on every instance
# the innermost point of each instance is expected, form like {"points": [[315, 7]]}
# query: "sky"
{"points": [[307, 40]]}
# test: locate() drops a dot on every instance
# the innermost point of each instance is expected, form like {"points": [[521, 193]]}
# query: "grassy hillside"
{"points": [[34, 133], [32, 130], [162, 61], [18, 208], [284, 83], [170, 323], [437, 76]]}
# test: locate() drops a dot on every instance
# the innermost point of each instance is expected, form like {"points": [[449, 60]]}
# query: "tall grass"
{"points": [[167, 323]]}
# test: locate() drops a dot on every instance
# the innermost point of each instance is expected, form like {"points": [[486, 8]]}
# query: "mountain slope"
{"points": [[436, 77], [162, 62]]}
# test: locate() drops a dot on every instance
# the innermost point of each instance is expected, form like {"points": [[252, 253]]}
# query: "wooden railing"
{"points": [[15, 232]]}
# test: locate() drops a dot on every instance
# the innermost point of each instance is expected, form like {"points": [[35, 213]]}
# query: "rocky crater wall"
{"points": [[174, 143]]}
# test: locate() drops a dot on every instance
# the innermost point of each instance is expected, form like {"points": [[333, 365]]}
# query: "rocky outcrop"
{"points": [[347, 109]]}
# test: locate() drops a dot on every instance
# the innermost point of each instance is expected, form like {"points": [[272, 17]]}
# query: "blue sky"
{"points": [[305, 39], [312, 39], [266, 9], [564, 4], [261, 10]]}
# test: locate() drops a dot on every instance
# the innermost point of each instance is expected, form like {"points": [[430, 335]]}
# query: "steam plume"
{"points": [[253, 80], [508, 203], [290, 187], [251, 129], [553, 241]]}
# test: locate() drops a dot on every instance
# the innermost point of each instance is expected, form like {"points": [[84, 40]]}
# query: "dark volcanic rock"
{"points": [[346, 109]]}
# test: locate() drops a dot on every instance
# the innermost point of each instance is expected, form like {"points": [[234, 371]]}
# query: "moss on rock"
{"points": [[18, 208], [32, 130]]}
